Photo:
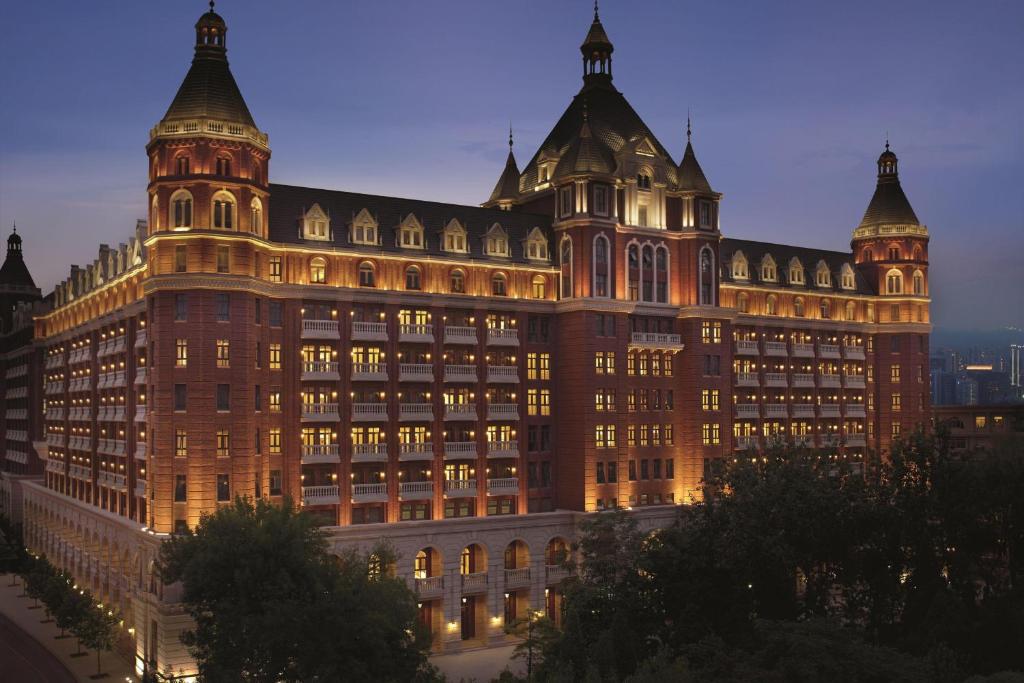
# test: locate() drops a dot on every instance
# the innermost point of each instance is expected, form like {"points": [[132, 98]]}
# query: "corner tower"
{"points": [[208, 162]]}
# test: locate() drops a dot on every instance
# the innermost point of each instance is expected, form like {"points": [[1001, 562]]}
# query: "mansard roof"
{"points": [[782, 254], [290, 203]]}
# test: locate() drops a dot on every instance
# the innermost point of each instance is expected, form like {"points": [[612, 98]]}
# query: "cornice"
{"points": [[119, 314]]}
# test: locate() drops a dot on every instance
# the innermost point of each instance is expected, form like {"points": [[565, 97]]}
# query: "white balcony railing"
{"points": [[320, 495], [320, 453], [659, 341], [320, 329], [775, 379], [415, 412], [415, 372], [503, 485], [416, 333], [746, 442], [502, 411], [460, 487], [416, 490], [853, 352], [828, 410], [828, 350], [803, 379], [141, 374], [460, 411], [369, 452], [747, 410], [319, 412], [502, 336], [746, 347], [803, 410], [320, 370], [459, 449], [803, 350], [459, 373], [775, 348], [455, 334], [502, 449], [369, 372], [854, 381], [364, 331], [140, 450], [828, 381], [502, 374], [370, 493], [517, 577], [415, 451], [747, 379], [776, 410], [370, 412], [141, 338], [854, 410]]}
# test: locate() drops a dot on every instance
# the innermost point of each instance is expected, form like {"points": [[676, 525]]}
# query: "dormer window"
{"points": [[739, 266], [316, 224], [364, 229], [537, 246], [704, 211], [846, 279], [769, 273], [410, 234], [454, 237], [496, 242], [796, 272], [822, 275], [643, 181]]}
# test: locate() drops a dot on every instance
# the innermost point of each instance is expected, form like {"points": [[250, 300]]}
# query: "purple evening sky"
{"points": [[791, 102]]}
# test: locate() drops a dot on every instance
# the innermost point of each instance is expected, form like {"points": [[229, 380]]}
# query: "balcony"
{"points": [[55, 466], [746, 348], [655, 341], [460, 411], [555, 573], [80, 443], [416, 412], [803, 350], [775, 379], [362, 331], [369, 412], [803, 380], [502, 336], [430, 586], [460, 488], [747, 379], [56, 440], [110, 446], [369, 452], [80, 472], [118, 482], [140, 450], [141, 375], [321, 454], [320, 412], [853, 352], [856, 440], [416, 372], [140, 489], [320, 495], [828, 350], [474, 583], [854, 410], [829, 381], [320, 370], [117, 414], [370, 493], [455, 450], [776, 349], [411, 452], [517, 577], [853, 381], [502, 411], [55, 387], [369, 372], [454, 334], [748, 410], [140, 412], [828, 410], [776, 410], [804, 440], [416, 333], [416, 490], [141, 338], [803, 410], [459, 373], [502, 374], [503, 486], [320, 329], [829, 440], [502, 449]]}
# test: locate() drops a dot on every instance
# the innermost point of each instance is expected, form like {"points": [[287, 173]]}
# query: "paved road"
{"points": [[23, 660]]}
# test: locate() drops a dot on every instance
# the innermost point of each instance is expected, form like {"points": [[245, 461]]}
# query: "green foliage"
{"points": [[270, 604]]}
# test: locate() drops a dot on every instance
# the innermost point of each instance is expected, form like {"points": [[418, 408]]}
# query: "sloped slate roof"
{"points": [[691, 176], [783, 253], [889, 205], [507, 186], [289, 203], [15, 272], [585, 154], [209, 90]]}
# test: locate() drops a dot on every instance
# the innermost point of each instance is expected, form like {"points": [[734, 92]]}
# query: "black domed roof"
{"points": [[889, 205]]}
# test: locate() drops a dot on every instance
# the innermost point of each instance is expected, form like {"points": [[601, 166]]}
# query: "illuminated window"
{"points": [[180, 442], [739, 266], [410, 234], [539, 287], [710, 434], [846, 278], [896, 426], [604, 436], [496, 242], [454, 237], [316, 224], [223, 211], [979, 421], [412, 278], [769, 271], [223, 443], [499, 285], [897, 403], [545, 402], [457, 282], [223, 353], [709, 399], [275, 268], [537, 246], [367, 275], [822, 275], [275, 356], [531, 402], [666, 365], [318, 270], [274, 400], [181, 353], [364, 228], [710, 332], [894, 373], [274, 440], [796, 272]]}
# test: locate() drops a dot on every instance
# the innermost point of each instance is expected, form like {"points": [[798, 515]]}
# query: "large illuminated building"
{"points": [[465, 380]]}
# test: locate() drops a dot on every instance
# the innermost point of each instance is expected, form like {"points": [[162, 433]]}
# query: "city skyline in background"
{"points": [[791, 142]]}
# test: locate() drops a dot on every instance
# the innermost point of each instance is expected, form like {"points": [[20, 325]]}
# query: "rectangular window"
{"points": [[894, 373], [274, 440], [275, 482], [223, 488], [180, 307], [710, 332], [223, 443], [670, 468], [274, 400], [709, 399], [180, 443], [600, 473], [180, 397], [222, 259], [223, 305], [531, 402], [257, 310], [669, 434], [644, 470], [897, 403], [275, 356], [223, 398], [632, 470], [275, 313], [257, 394], [181, 353], [223, 353], [545, 402], [180, 489], [180, 259], [712, 366], [710, 434], [274, 265]]}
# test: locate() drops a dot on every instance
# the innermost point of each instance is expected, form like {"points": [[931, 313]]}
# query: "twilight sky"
{"points": [[791, 102]]}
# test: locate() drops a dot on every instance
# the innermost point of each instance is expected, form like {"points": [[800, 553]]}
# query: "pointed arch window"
{"points": [[256, 215], [457, 281], [454, 237], [316, 224], [412, 278], [661, 274], [499, 285], [539, 287], [846, 278], [318, 270], [822, 275], [707, 277], [565, 263], [223, 211], [181, 210], [798, 307], [647, 272], [601, 266], [918, 281], [367, 275], [796, 272], [633, 265], [740, 270], [894, 282], [769, 272]]}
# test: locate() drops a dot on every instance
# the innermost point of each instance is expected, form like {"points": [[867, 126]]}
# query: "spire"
{"points": [[691, 176], [597, 53], [507, 187], [888, 205], [14, 271], [14, 241]]}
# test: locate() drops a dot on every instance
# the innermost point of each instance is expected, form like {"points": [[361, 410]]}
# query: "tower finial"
{"points": [[887, 141], [510, 136], [687, 125], [211, 5], [596, 18]]}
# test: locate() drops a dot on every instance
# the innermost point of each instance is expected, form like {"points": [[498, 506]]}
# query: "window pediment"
{"points": [[537, 246], [740, 269], [769, 271], [453, 238], [410, 233], [796, 271], [496, 242], [822, 275], [316, 224], [846, 278], [365, 229]]}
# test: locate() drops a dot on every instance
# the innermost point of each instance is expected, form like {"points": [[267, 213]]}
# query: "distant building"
{"points": [[981, 427], [1015, 369]]}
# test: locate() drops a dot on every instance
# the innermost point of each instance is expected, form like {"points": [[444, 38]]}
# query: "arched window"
{"points": [[771, 305], [223, 211], [601, 269], [457, 281], [318, 270], [742, 302], [255, 215], [918, 282], [851, 310], [499, 285], [367, 275], [181, 165], [647, 272], [707, 277], [894, 282], [822, 275], [565, 262], [181, 209], [223, 165], [739, 266], [633, 264], [661, 274], [894, 252], [539, 287], [798, 307], [643, 180], [769, 273], [826, 309], [412, 277], [154, 217], [868, 256], [918, 254]]}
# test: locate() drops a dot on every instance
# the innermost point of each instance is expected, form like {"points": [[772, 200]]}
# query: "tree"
{"points": [[96, 628], [71, 609], [537, 633], [270, 604]]}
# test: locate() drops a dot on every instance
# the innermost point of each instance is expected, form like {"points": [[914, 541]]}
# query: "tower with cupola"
{"points": [[208, 161]]}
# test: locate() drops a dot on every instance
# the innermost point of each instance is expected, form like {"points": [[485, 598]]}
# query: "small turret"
{"points": [[506, 191], [597, 51]]}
